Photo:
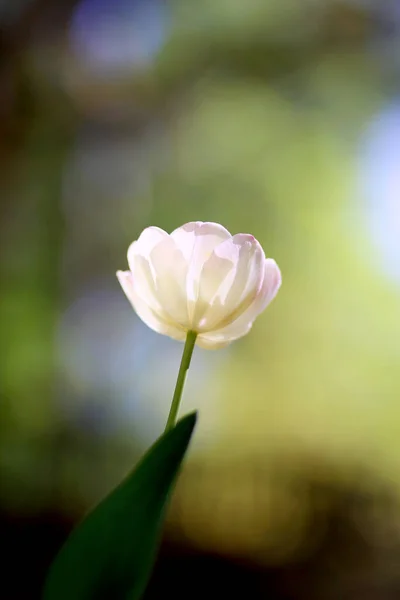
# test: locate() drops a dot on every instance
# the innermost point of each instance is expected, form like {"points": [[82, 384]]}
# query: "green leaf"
{"points": [[110, 555]]}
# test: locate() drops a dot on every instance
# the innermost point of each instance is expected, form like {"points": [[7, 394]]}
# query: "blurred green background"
{"points": [[280, 118]]}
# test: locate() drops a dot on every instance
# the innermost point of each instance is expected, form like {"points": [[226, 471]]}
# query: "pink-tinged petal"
{"points": [[159, 272], [150, 317], [210, 343], [271, 283], [170, 269], [223, 337], [216, 272], [147, 241], [237, 289], [249, 270], [226, 335], [145, 286], [242, 325], [197, 240]]}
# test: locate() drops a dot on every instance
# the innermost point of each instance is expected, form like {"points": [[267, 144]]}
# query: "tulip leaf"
{"points": [[110, 555]]}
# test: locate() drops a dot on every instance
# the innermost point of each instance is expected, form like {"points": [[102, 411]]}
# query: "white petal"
{"points": [[197, 241], [270, 287], [140, 265], [170, 270], [145, 286], [211, 344], [217, 274], [239, 262], [146, 314], [160, 280], [242, 325], [148, 239], [223, 337]]}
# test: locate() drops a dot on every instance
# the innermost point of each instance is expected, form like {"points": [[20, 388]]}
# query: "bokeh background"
{"points": [[275, 117]]}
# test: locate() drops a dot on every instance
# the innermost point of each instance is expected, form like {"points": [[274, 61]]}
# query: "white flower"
{"points": [[199, 278]]}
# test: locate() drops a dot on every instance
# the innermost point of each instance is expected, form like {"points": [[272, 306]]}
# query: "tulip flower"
{"points": [[199, 283], [200, 278]]}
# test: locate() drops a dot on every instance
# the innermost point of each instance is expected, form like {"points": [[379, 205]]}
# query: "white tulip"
{"points": [[201, 279]]}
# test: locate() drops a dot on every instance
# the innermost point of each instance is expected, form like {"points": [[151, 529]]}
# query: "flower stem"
{"points": [[180, 382]]}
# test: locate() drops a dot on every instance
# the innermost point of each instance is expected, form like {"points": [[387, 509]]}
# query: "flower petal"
{"points": [[271, 283], [210, 343], [147, 241], [240, 260], [144, 312], [141, 268], [223, 337], [170, 269], [242, 325], [197, 240]]}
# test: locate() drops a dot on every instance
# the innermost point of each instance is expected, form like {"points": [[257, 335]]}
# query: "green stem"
{"points": [[180, 382]]}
